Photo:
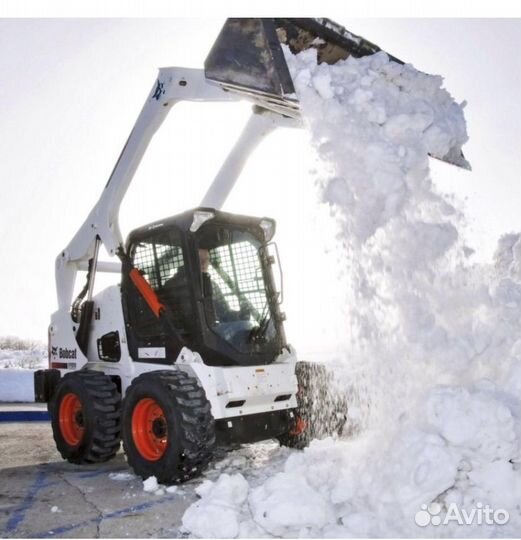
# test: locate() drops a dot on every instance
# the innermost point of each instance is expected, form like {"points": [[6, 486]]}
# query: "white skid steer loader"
{"points": [[188, 349]]}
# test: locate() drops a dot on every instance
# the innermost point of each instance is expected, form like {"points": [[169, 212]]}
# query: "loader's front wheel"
{"points": [[85, 419], [299, 435], [168, 428], [321, 411]]}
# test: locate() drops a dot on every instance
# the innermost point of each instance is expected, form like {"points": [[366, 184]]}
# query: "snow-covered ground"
{"points": [[432, 340]]}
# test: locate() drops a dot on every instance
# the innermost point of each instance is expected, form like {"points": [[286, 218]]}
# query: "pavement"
{"points": [[42, 496]]}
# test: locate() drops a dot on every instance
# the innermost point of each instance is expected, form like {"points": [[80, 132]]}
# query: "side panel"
{"points": [[232, 391], [64, 353], [239, 391], [108, 320], [107, 317]]}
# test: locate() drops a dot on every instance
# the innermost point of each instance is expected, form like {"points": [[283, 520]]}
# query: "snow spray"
{"points": [[432, 355]]}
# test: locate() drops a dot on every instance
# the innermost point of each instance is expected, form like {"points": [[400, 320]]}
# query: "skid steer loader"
{"points": [[188, 349]]}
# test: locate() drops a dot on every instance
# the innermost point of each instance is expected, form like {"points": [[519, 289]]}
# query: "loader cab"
{"points": [[217, 276]]}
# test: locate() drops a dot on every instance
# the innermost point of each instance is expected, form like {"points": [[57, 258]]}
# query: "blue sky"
{"points": [[71, 91]]}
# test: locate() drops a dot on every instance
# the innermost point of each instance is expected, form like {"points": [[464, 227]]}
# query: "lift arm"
{"points": [[246, 62], [172, 86]]}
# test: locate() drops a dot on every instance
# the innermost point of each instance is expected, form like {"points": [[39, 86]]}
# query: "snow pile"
{"points": [[17, 372], [150, 484], [508, 256], [432, 341], [217, 514]]}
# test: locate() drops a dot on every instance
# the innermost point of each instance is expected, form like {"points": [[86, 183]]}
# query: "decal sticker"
{"points": [[160, 90], [151, 352], [69, 354], [63, 365], [63, 353], [59, 365]]}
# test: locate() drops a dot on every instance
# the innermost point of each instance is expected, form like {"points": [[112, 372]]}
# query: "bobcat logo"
{"points": [[159, 91]]}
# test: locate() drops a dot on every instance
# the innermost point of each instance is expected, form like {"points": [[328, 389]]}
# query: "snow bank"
{"points": [[17, 373], [217, 514], [16, 385], [432, 341]]}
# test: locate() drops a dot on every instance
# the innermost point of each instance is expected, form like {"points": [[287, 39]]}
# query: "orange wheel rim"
{"points": [[300, 427], [71, 419], [149, 429]]}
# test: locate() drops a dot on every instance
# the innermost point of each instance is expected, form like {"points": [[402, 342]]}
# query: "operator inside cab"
{"points": [[230, 324], [217, 309]]}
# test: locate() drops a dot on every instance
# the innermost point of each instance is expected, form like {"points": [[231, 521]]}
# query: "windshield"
{"points": [[235, 288]]}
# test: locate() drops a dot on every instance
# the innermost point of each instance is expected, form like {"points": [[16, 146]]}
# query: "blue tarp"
{"points": [[24, 416]]}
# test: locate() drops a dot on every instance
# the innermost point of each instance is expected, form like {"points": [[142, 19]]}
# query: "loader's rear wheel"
{"points": [[72, 426], [85, 417], [168, 428]]}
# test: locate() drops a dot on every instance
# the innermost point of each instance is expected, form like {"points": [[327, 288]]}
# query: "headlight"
{"points": [[268, 226], [200, 217]]}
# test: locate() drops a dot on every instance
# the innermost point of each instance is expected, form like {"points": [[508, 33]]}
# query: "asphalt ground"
{"points": [[42, 496]]}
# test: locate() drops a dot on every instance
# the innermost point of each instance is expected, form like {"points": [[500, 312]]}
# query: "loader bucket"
{"points": [[247, 58]]}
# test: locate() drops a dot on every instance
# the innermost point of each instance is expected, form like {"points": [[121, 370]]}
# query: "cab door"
{"points": [[160, 259]]}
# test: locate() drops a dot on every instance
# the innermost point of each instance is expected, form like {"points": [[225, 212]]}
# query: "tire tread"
{"points": [[106, 402]]}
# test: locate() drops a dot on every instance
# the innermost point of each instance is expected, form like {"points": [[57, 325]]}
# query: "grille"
{"points": [[237, 270], [158, 261]]}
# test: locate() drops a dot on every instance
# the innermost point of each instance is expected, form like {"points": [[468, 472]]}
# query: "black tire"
{"points": [[321, 411], [85, 417], [168, 429]]}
